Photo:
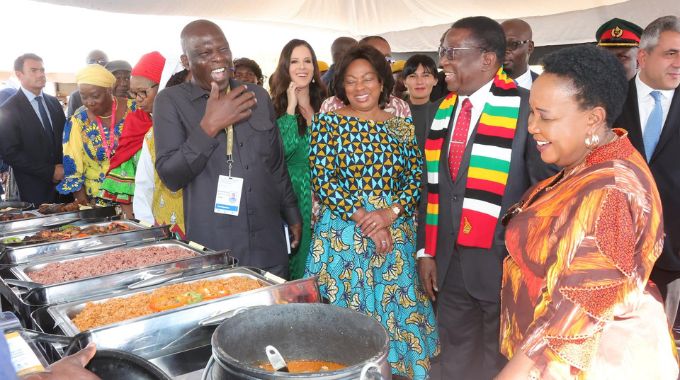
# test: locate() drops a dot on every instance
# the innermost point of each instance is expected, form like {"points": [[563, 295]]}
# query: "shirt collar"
{"points": [[478, 98], [524, 79], [644, 90], [197, 92], [29, 95]]}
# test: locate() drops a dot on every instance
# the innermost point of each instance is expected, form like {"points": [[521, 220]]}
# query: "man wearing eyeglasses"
{"points": [[518, 48], [480, 160], [74, 101]]}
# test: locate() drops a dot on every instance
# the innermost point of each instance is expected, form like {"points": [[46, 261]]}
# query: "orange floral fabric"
{"points": [[575, 296]]}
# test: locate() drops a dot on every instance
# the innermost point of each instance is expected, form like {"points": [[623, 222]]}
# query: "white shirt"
{"points": [[144, 187], [646, 102], [34, 103], [478, 100], [525, 80]]}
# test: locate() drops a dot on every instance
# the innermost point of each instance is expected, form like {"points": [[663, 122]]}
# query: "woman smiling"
{"points": [[366, 169], [297, 93], [576, 302]]}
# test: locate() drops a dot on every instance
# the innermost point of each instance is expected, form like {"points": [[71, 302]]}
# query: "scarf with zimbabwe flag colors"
{"points": [[488, 170]]}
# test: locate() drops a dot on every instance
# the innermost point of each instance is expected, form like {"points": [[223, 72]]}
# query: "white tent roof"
{"points": [[63, 31]]}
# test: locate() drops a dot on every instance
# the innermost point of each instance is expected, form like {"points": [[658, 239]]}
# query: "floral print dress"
{"points": [[362, 163]]}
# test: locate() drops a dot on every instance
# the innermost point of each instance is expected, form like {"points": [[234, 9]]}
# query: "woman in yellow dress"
{"points": [[91, 134]]}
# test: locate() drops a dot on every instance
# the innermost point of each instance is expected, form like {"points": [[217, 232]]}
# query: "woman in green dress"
{"points": [[297, 93]]}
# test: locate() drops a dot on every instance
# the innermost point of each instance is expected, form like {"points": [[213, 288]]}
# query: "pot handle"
{"points": [[371, 371]]}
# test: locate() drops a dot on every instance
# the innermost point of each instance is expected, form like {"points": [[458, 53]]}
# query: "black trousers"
{"points": [[468, 330]]}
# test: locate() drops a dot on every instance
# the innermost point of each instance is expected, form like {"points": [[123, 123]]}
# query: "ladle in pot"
{"points": [[275, 359]]}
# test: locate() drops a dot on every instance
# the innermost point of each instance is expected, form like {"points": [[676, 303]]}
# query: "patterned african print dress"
{"points": [[85, 161], [576, 298], [358, 163]]}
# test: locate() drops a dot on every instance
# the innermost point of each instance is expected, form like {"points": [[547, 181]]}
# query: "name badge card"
{"points": [[228, 198]]}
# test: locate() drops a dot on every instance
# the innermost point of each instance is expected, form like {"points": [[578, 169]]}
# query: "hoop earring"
{"points": [[592, 141]]}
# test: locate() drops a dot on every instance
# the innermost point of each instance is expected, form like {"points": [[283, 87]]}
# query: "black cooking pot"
{"points": [[303, 331], [121, 365]]}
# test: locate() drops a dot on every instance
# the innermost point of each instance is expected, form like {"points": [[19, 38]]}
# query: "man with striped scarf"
{"points": [[480, 159]]}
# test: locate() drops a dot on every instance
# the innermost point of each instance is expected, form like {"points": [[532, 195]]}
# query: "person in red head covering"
{"points": [[119, 185]]}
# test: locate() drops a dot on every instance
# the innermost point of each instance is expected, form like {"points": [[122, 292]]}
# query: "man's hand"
{"points": [[296, 231], [224, 110], [427, 270], [70, 367], [58, 173], [4, 176]]}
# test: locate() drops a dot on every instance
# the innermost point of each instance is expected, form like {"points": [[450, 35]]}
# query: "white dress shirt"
{"points": [[144, 187], [646, 102], [525, 80], [34, 103], [478, 100]]}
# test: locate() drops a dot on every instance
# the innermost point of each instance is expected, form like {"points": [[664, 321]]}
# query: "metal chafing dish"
{"points": [[34, 295], [176, 332], [12, 255], [41, 221]]}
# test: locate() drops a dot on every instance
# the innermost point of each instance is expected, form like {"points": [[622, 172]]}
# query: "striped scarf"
{"points": [[488, 169]]}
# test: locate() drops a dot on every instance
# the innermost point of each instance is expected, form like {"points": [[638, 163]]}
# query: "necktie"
{"points": [[47, 126], [653, 126], [459, 138]]}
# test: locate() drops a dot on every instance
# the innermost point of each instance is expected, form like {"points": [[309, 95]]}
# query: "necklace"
{"points": [[108, 145]]}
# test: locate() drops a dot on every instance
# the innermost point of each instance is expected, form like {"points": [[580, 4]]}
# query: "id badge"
{"points": [[228, 198]]}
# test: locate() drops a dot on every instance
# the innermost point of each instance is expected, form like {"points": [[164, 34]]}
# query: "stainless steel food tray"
{"points": [[116, 283], [179, 329], [12, 255], [53, 220]]}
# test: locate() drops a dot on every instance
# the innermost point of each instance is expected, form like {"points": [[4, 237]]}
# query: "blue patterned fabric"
{"points": [[358, 163]]}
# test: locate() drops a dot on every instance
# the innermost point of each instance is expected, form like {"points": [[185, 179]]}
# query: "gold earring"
{"points": [[592, 141]]}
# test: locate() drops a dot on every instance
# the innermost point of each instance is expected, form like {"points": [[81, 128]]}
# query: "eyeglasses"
{"points": [[141, 93], [450, 52], [514, 45], [390, 60]]}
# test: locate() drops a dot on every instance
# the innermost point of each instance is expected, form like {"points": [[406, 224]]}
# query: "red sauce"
{"points": [[301, 366]]}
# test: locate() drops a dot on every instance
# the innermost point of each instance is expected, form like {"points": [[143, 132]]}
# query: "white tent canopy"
{"points": [[63, 31]]}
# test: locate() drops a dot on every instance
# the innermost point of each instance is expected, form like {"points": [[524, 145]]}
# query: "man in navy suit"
{"points": [[31, 126], [651, 115]]}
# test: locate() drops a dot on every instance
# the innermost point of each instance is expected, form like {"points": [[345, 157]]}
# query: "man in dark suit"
{"points": [[518, 48], [462, 270], [217, 139], [651, 115], [31, 126]]}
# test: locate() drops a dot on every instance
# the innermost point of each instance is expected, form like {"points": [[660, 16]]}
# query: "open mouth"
{"points": [[220, 74], [542, 145]]}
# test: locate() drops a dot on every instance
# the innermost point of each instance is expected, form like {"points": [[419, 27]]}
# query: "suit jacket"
{"points": [[189, 159], [26, 147], [665, 167], [534, 75], [482, 268]]}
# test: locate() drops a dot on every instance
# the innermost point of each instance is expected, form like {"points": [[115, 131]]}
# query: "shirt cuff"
{"points": [[292, 215], [199, 141], [421, 253]]}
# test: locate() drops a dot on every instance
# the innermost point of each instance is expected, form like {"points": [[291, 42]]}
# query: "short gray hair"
{"points": [[650, 36]]}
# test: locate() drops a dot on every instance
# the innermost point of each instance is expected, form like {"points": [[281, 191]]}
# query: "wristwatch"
{"points": [[396, 210]]}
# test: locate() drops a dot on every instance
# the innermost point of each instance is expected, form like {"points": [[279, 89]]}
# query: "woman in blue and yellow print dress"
{"points": [[91, 135], [365, 161]]}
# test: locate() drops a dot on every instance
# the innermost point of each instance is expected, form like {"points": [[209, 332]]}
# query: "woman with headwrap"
{"points": [[119, 184], [92, 134]]}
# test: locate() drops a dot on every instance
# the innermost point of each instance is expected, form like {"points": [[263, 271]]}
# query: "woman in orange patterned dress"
{"points": [[576, 302]]}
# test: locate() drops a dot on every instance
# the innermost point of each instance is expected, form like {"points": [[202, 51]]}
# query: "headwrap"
{"points": [[95, 75], [150, 66]]}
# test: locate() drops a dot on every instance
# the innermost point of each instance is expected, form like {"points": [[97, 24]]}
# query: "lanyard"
{"points": [[230, 146], [108, 145], [229, 130]]}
